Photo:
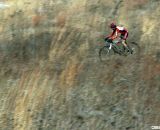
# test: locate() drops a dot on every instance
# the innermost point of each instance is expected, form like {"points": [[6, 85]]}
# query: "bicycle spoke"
{"points": [[105, 53]]}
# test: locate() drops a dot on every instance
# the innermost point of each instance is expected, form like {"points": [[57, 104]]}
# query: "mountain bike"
{"points": [[112, 48]]}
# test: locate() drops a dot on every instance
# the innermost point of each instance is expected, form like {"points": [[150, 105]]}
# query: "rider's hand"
{"points": [[106, 38]]}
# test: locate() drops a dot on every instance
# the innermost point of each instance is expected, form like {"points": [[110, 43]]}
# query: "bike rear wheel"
{"points": [[105, 53], [134, 48]]}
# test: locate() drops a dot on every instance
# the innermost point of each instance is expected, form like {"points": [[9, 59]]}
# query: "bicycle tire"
{"points": [[134, 48], [105, 53]]}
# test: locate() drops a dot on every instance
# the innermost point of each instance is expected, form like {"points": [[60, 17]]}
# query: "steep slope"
{"points": [[51, 77]]}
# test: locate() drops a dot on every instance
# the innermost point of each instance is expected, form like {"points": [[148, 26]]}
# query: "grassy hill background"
{"points": [[51, 77]]}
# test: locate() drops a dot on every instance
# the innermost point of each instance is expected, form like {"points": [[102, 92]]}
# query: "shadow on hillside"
{"points": [[36, 47]]}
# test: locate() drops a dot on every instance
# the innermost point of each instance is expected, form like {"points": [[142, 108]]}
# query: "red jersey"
{"points": [[119, 30]]}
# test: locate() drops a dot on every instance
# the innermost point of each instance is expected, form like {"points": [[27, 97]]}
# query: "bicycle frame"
{"points": [[112, 44], [116, 47]]}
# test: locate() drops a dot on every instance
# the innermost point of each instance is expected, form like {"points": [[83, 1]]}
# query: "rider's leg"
{"points": [[127, 47], [125, 44]]}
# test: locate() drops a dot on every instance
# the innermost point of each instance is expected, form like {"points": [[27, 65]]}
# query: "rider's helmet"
{"points": [[113, 26]]}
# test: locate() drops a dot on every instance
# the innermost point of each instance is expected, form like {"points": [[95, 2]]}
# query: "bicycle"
{"points": [[115, 47]]}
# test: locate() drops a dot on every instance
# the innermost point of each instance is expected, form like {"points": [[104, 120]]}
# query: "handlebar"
{"points": [[108, 40]]}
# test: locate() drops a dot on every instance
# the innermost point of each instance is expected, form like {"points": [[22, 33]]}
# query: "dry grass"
{"points": [[151, 69], [69, 75], [61, 19], [36, 20], [131, 4], [43, 87]]}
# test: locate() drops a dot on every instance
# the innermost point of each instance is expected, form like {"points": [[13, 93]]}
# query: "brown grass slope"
{"points": [[51, 77]]}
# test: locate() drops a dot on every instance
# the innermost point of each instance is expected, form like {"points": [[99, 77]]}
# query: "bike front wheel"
{"points": [[105, 53]]}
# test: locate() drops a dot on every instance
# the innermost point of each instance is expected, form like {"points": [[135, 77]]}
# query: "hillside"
{"points": [[51, 77]]}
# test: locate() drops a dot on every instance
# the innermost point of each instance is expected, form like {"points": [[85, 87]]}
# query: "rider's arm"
{"points": [[114, 36], [111, 35]]}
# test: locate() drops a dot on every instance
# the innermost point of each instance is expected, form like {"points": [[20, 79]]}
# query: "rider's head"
{"points": [[113, 26]]}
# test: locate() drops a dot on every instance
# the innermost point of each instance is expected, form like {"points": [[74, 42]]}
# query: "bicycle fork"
{"points": [[110, 46]]}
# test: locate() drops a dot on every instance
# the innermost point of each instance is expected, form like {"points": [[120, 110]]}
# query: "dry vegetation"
{"points": [[51, 77]]}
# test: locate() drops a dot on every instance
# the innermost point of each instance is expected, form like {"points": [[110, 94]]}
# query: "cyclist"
{"points": [[115, 34]]}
